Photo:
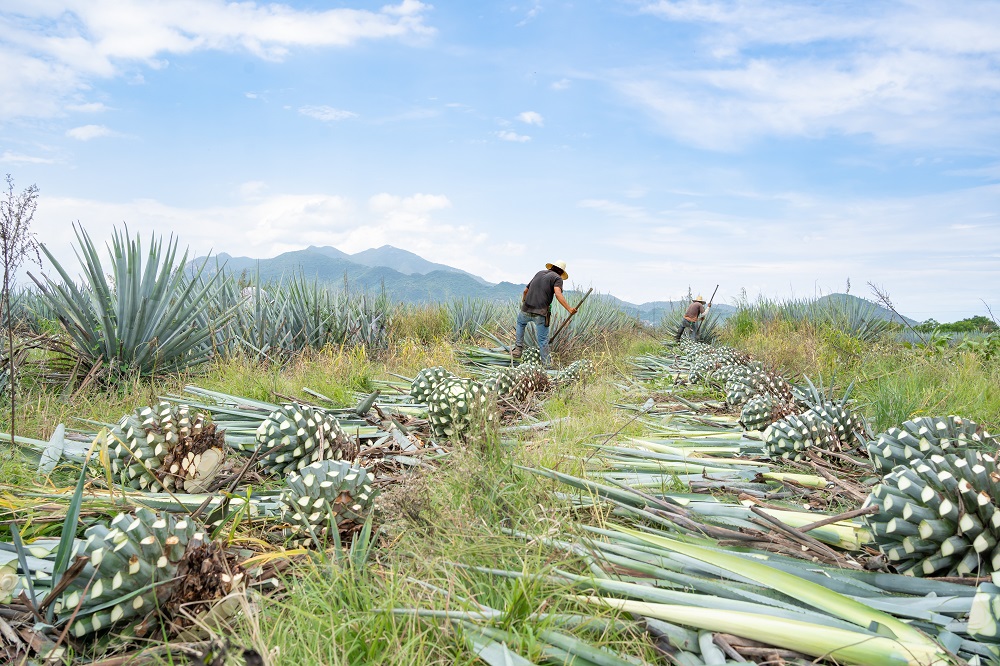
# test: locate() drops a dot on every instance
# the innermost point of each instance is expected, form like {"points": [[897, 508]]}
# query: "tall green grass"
{"points": [[857, 318], [894, 387], [893, 381]]}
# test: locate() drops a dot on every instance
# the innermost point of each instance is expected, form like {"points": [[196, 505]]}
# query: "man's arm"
{"points": [[562, 300], [524, 294]]}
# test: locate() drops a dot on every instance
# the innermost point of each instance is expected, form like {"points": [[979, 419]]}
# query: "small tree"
{"points": [[17, 243]]}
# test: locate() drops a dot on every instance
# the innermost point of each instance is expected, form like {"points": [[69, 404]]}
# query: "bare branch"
{"points": [[17, 243], [990, 311], [883, 298]]}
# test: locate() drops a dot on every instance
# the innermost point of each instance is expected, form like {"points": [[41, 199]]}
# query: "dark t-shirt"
{"points": [[541, 291], [695, 310]]}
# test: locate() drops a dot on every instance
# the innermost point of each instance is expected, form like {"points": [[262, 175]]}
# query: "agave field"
{"points": [[207, 469]]}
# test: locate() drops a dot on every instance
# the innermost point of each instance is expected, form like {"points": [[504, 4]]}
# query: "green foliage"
{"points": [[896, 386], [986, 347], [426, 323], [469, 316], [855, 317], [979, 323], [274, 320], [742, 324], [139, 319]]}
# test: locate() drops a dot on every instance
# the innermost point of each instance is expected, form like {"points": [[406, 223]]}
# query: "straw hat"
{"points": [[700, 298], [561, 265]]}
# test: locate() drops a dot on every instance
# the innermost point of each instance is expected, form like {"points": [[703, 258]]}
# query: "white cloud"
{"points": [[793, 239], [88, 132], [531, 118], [52, 50], [252, 189], [531, 14], [18, 158], [407, 213], [326, 113], [507, 135], [915, 73], [615, 208], [561, 84], [88, 107], [265, 225]]}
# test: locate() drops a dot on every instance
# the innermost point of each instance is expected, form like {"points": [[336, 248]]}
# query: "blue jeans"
{"points": [[685, 326], [541, 332]]}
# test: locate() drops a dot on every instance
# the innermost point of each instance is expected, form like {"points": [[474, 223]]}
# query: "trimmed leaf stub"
{"points": [[938, 516], [923, 437], [325, 497], [127, 559], [295, 436]]}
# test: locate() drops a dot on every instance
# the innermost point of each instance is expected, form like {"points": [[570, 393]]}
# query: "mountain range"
{"points": [[410, 278]]}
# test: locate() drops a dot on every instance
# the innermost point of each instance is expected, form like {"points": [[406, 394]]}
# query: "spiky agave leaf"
{"points": [[147, 319], [923, 437], [165, 447], [326, 497], [294, 436], [938, 515]]}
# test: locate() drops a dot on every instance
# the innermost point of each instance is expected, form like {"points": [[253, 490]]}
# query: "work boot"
{"points": [[517, 351]]}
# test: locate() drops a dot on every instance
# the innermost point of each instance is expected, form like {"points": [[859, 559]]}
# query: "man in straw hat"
{"points": [[694, 314], [536, 307]]}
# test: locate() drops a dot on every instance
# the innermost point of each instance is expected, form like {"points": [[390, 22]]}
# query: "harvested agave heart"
{"points": [[294, 436], [789, 438], [324, 497], [166, 447], [426, 381], [451, 406], [127, 559], [923, 437], [529, 379], [762, 410], [938, 516]]}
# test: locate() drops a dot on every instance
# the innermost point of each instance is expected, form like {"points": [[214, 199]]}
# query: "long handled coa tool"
{"points": [[713, 296], [563, 325]]}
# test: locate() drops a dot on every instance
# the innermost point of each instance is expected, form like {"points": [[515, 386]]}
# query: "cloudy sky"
{"points": [[784, 148]]}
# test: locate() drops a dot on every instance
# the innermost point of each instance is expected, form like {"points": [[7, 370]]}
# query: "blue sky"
{"points": [[783, 148]]}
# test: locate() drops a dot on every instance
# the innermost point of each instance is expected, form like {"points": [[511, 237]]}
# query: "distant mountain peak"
{"points": [[405, 262]]}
